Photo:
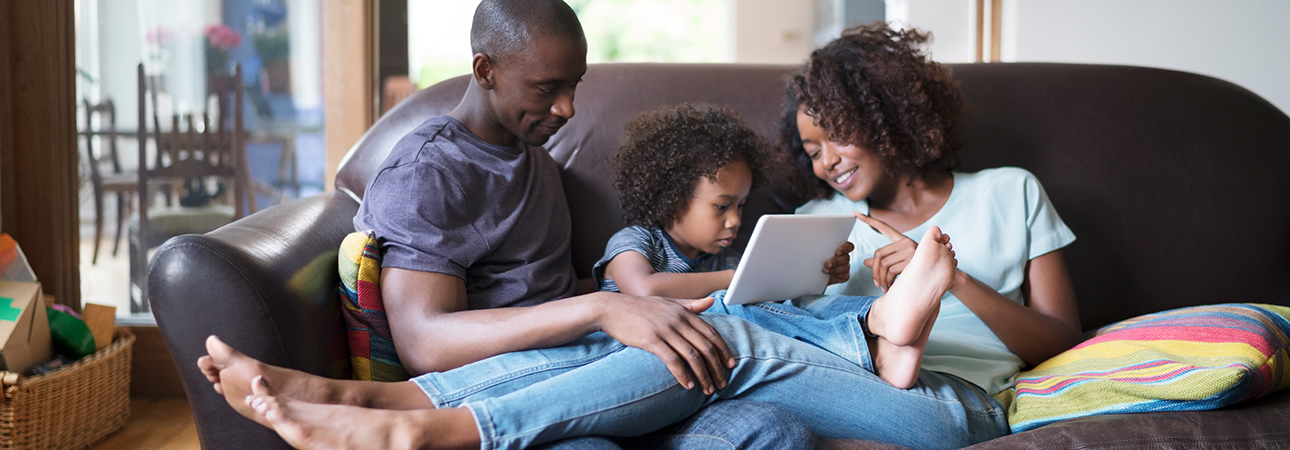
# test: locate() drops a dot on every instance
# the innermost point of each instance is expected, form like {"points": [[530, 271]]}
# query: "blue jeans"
{"points": [[598, 386], [727, 424]]}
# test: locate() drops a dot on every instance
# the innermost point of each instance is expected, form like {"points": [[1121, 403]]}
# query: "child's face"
{"points": [[711, 221], [850, 169]]}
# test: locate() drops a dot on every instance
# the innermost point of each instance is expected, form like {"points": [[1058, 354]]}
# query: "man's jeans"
{"points": [[724, 425], [597, 386]]}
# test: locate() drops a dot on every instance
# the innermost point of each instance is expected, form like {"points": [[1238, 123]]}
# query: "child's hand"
{"points": [[839, 266], [889, 260]]}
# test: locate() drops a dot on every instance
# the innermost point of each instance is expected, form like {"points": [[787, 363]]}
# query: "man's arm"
{"points": [[433, 331]]}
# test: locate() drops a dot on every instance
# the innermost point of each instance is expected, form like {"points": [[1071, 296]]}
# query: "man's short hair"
{"points": [[504, 28]]}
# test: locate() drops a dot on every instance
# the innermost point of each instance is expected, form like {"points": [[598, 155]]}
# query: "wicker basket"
{"points": [[73, 407]]}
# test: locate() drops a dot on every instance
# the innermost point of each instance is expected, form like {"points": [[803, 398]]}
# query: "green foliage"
{"points": [[617, 31], [272, 44]]}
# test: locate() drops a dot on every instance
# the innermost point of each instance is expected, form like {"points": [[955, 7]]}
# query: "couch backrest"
{"points": [[1174, 183]]}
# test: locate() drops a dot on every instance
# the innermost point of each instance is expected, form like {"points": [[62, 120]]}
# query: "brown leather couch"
{"points": [[1176, 185]]}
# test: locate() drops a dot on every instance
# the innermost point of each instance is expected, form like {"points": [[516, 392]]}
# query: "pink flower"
{"points": [[159, 36], [222, 36]]}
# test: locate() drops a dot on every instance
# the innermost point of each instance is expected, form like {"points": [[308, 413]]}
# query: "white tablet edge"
{"points": [[779, 249]]}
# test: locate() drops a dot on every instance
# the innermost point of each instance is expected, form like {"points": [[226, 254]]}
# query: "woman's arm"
{"points": [[1046, 325], [634, 275]]}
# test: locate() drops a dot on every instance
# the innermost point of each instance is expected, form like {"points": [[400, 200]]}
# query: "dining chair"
{"points": [[115, 181], [203, 153]]}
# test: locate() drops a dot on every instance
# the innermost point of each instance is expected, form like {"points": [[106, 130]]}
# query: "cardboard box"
{"points": [[24, 327], [101, 319]]}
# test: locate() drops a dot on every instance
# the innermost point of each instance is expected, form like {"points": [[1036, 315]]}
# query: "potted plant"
{"points": [[220, 39], [274, 47]]}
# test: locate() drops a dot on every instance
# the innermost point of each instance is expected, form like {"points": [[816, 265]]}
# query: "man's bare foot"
{"points": [[307, 425], [903, 318], [230, 372], [903, 312], [900, 365]]}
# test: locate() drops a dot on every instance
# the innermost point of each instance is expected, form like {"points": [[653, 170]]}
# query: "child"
{"points": [[603, 387], [684, 174]]}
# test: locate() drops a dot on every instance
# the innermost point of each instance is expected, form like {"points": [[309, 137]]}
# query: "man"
{"points": [[476, 231], [595, 385]]}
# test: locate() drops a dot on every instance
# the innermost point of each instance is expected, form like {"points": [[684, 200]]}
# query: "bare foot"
{"points": [[231, 373], [902, 313], [307, 425], [900, 365], [903, 318]]}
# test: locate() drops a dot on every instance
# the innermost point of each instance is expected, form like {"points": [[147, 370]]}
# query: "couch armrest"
{"points": [[265, 284]]}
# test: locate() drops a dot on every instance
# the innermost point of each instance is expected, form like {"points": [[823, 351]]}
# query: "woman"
{"points": [[891, 163], [869, 127]]}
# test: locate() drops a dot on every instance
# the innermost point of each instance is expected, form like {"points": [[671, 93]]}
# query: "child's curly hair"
{"points": [[666, 151], [873, 87]]}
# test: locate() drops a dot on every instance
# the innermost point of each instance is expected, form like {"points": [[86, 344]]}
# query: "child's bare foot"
{"points": [[307, 425]]}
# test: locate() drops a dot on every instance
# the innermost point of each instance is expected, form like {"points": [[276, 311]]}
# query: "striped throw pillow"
{"points": [[1188, 359], [371, 347]]}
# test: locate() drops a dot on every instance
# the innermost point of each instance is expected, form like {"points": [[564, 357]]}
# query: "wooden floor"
{"points": [[155, 423]]}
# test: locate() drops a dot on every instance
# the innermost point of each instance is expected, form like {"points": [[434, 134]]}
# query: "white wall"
{"points": [[951, 22], [306, 59], [773, 31], [1246, 42]]}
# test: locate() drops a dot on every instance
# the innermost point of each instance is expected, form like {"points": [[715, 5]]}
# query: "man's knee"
{"points": [[739, 424], [582, 443]]}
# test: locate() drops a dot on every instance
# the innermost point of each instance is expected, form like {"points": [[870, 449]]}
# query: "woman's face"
{"points": [[850, 169]]}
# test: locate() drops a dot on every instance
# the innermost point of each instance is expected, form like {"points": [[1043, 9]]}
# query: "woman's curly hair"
{"points": [[666, 151], [875, 88]]}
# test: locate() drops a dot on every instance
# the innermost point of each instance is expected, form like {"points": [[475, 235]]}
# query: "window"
{"points": [[181, 43], [617, 31]]}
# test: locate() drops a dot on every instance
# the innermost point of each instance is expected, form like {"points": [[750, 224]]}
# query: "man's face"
{"points": [[533, 91]]}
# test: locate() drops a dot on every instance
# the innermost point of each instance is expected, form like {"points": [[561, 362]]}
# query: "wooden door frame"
{"points": [[38, 162], [996, 30], [350, 65]]}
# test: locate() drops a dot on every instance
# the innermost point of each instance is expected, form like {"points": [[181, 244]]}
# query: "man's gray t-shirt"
{"points": [[445, 201]]}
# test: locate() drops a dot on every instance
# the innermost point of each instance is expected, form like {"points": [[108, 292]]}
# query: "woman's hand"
{"points": [[839, 266], [889, 260]]}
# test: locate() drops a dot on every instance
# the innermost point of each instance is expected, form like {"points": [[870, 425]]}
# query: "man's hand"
{"points": [[889, 260], [839, 266], [672, 330]]}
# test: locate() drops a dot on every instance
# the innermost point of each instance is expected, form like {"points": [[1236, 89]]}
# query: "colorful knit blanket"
{"points": [[371, 346]]}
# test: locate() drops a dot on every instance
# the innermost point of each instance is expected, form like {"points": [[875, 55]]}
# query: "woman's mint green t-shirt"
{"points": [[998, 220]]}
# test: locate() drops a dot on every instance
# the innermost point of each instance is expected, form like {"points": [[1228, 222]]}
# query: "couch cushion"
{"points": [[1187, 359], [371, 347]]}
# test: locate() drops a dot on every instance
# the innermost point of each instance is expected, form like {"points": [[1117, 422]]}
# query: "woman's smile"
{"points": [[841, 180]]}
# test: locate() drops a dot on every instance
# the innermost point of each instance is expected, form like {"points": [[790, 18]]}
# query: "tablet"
{"points": [[785, 257]]}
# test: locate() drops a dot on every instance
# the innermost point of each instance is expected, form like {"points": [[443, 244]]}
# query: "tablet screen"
{"points": [[786, 255]]}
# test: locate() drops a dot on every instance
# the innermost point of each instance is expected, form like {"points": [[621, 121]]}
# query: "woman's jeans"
{"points": [[597, 386]]}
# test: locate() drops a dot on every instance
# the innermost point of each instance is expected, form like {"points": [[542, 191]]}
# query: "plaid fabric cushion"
{"points": [[371, 347]]}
